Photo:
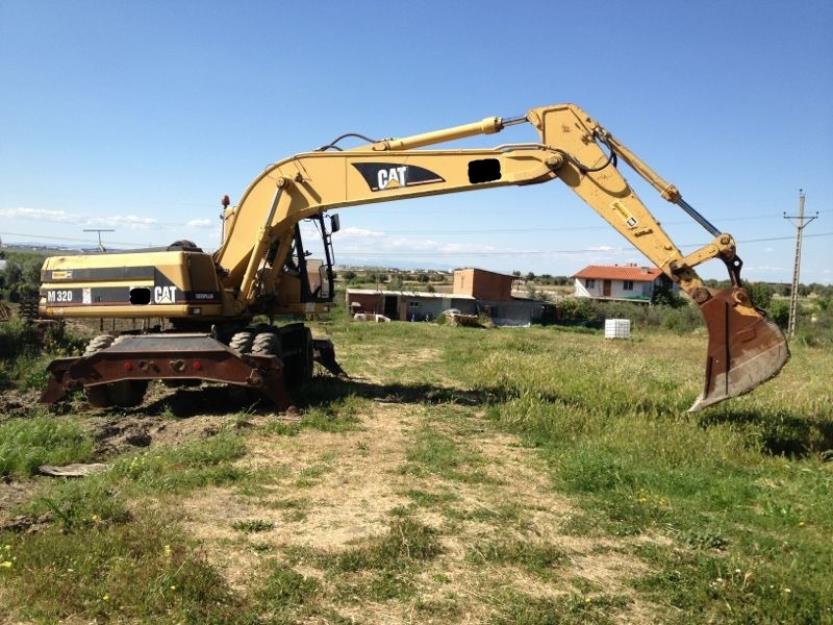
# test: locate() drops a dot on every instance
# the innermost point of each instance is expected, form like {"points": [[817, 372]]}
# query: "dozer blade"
{"points": [[745, 349]]}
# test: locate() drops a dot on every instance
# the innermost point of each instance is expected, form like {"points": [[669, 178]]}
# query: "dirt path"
{"points": [[327, 492]]}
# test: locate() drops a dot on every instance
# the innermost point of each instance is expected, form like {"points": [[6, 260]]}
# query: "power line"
{"points": [[544, 252], [394, 253], [567, 228]]}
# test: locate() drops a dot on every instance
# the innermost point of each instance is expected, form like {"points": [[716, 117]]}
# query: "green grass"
{"points": [[179, 469], [383, 568], [535, 557], [729, 511], [520, 609], [26, 444], [433, 452], [139, 571], [253, 526]]}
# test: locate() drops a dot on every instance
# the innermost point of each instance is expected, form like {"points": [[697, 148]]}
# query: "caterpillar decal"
{"points": [[384, 176]]}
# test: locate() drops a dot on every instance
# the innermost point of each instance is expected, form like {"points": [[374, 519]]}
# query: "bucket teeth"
{"points": [[745, 349]]}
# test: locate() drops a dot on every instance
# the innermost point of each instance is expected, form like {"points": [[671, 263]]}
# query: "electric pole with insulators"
{"points": [[800, 222]]}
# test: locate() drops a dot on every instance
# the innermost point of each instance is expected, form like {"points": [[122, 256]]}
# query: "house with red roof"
{"points": [[620, 282]]}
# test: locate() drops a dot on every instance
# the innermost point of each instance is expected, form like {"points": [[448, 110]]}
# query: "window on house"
{"points": [[628, 286], [590, 284], [413, 304]]}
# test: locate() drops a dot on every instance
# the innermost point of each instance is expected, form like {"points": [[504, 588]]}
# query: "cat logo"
{"points": [[390, 176], [164, 294], [396, 176]]}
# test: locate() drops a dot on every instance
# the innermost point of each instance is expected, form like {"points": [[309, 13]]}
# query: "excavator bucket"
{"points": [[745, 348]]}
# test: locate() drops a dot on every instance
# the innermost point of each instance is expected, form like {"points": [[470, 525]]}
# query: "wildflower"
{"points": [[167, 550], [787, 590], [801, 524], [173, 587], [106, 598], [6, 564], [8, 547]]}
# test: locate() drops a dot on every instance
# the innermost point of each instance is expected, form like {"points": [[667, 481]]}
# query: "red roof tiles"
{"points": [[617, 272]]}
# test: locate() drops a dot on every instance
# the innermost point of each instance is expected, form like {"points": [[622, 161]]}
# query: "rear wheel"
{"points": [[242, 342], [126, 394], [298, 356], [266, 344], [102, 341]]}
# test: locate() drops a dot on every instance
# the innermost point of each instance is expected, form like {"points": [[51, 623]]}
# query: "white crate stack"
{"points": [[617, 328]]}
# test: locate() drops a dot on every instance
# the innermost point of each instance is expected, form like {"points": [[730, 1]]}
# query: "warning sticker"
{"points": [[623, 212], [86, 296]]}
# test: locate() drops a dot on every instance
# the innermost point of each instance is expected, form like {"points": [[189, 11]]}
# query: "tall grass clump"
{"points": [[25, 444]]}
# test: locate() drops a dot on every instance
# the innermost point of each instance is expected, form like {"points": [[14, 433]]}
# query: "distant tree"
{"points": [[779, 312], [516, 273], [348, 275], [430, 288], [530, 276], [760, 293], [424, 277], [664, 295]]}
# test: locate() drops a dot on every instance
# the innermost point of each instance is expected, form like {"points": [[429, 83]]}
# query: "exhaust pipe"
{"points": [[745, 349]]}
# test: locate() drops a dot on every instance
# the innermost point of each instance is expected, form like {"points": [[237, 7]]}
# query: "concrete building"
{"points": [[476, 292], [408, 305], [620, 282], [483, 285]]}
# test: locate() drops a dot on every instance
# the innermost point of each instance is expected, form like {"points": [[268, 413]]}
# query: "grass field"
{"points": [[516, 476]]}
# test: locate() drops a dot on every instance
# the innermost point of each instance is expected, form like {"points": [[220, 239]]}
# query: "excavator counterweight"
{"points": [[262, 267]]}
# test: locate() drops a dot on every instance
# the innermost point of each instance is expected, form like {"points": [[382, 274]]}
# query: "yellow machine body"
{"points": [[261, 265]]}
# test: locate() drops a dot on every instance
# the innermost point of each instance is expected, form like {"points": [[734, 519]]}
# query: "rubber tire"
{"points": [[127, 393], [298, 367], [242, 342], [97, 395], [102, 341], [266, 344]]}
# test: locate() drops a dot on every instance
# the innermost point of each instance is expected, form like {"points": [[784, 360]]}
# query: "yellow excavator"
{"points": [[208, 301]]}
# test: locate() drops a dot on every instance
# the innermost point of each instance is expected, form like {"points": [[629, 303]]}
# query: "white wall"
{"points": [[617, 289]]}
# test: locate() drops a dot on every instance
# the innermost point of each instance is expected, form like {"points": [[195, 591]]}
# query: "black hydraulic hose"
{"points": [[334, 143]]}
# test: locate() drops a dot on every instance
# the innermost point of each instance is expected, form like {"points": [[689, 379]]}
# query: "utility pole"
{"points": [[800, 222], [99, 230]]}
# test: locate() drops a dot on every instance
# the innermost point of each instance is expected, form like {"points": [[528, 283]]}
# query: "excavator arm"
{"points": [[745, 349]]}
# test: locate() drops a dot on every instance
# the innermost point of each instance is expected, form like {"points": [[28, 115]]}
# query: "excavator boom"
{"points": [[260, 234]]}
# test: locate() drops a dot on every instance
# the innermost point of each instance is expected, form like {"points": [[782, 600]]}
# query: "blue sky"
{"points": [[141, 115]]}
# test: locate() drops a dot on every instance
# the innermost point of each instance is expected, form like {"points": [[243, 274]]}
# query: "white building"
{"points": [[622, 282]]}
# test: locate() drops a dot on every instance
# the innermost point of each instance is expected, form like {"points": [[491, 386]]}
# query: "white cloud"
{"points": [[199, 223], [132, 222], [38, 214], [352, 232]]}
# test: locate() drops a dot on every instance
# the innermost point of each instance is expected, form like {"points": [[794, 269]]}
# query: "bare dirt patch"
{"points": [[14, 403]]}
